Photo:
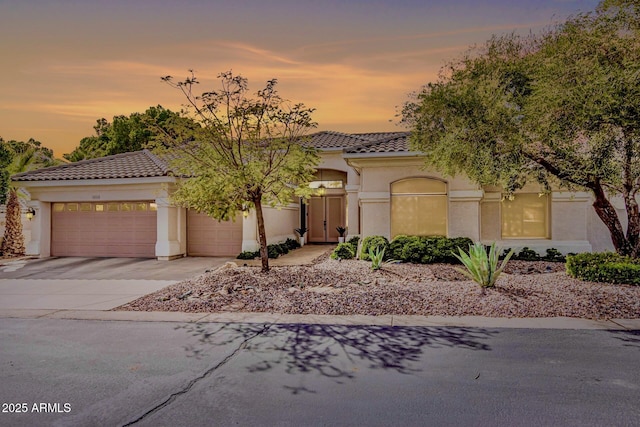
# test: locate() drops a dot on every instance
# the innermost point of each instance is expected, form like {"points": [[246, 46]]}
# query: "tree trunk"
{"points": [[633, 225], [13, 239], [262, 234], [609, 217]]}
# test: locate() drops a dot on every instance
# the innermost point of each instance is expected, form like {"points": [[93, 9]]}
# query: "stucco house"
{"points": [[370, 183]]}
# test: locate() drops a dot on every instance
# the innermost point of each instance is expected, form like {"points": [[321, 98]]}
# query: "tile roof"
{"points": [[329, 139], [144, 164], [137, 164], [378, 136], [390, 142]]}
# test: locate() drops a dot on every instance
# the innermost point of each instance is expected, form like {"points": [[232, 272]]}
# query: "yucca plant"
{"points": [[482, 268]]}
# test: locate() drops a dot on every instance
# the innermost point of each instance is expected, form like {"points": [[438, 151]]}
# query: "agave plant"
{"points": [[376, 256], [482, 267]]}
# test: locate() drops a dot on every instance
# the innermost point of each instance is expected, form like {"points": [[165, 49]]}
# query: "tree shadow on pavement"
{"points": [[323, 349], [630, 338]]}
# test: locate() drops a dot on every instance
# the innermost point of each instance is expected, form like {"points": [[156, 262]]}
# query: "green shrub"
{"points": [[427, 249], [281, 248], [292, 244], [608, 267], [450, 246], [354, 243], [398, 243], [527, 254], [375, 242], [554, 255], [248, 255], [482, 267], [343, 251], [273, 251]]}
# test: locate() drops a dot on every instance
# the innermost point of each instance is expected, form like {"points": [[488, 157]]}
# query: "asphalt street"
{"points": [[95, 373]]}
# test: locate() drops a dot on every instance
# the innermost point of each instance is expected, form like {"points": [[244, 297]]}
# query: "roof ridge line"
{"points": [[164, 166]]}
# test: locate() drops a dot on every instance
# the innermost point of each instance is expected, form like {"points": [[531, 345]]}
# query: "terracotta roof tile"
{"points": [[137, 164], [389, 143], [328, 139]]}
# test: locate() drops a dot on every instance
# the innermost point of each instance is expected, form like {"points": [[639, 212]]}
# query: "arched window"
{"points": [[419, 207]]}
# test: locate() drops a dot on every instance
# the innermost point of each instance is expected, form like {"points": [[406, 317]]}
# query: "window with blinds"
{"points": [[525, 217], [419, 207]]}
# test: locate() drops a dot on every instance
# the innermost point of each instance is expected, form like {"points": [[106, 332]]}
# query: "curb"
{"points": [[355, 320]]}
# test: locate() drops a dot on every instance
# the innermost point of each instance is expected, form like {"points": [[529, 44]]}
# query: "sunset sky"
{"points": [[66, 64]]}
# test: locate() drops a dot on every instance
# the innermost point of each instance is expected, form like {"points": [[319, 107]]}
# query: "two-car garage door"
{"points": [[129, 229]]}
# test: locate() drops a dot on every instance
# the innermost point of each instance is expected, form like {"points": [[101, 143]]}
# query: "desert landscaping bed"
{"points": [[526, 289]]}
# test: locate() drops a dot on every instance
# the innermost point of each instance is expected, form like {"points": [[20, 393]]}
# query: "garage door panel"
{"points": [[103, 230], [209, 237]]}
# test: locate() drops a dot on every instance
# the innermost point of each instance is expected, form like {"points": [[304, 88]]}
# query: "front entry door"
{"points": [[325, 214]]}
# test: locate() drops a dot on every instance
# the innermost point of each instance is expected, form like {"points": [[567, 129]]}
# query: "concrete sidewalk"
{"points": [[356, 320], [301, 256], [73, 294]]}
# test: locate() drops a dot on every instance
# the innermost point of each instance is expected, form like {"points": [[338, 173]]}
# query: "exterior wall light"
{"points": [[31, 213]]}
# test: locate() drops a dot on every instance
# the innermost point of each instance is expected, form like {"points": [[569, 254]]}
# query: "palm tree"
{"points": [[13, 239], [16, 157]]}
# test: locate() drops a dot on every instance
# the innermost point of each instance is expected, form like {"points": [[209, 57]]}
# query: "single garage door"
{"points": [[106, 229], [208, 237]]}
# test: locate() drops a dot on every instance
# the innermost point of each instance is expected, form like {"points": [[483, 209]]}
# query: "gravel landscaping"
{"points": [[526, 289]]}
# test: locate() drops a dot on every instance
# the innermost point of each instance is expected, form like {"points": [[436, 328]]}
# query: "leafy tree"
{"points": [[128, 133], [561, 108], [248, 151]]}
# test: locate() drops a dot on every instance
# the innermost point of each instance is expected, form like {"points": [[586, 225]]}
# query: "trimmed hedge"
{"points": [[273, 250], [526, 254], [248, 255], [292, 244], [427, 249], [354, 243], [375, 242], [343, 251], [607, 267]]}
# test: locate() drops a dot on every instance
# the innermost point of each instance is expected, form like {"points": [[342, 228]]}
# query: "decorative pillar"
{"points": [[250, 232], [40, 242], [169, 225], [353, 217]]}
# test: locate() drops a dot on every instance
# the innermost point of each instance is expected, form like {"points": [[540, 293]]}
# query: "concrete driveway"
{"points": [[90, 283]]}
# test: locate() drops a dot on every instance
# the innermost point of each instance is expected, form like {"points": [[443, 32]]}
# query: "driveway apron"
{"points": [[91, 283]]}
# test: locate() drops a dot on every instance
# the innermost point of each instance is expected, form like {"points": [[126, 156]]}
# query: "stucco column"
{"points": [[250, 232], [40, 242], [170, 223], [464, 214], [353, 219]]}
